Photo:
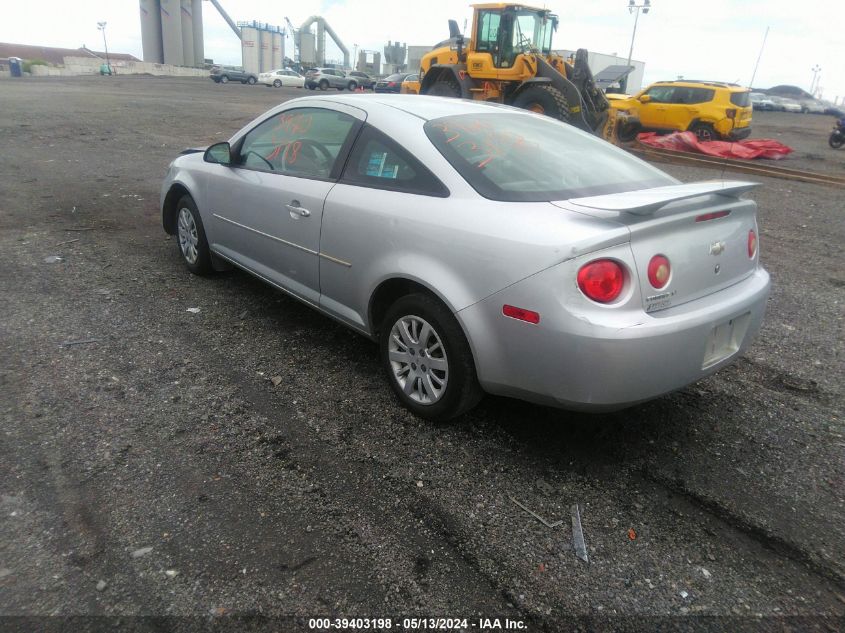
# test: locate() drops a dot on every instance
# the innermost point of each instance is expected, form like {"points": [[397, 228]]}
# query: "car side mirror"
{"points": [[219, 153], [644, 98]]}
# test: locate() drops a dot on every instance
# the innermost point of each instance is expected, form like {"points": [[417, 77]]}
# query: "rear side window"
{"points": [[377, 161], [741, 99], [692, 95], [532, 158]]}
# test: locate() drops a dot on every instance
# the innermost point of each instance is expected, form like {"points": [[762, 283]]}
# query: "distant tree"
{"points": [[29, 63]]}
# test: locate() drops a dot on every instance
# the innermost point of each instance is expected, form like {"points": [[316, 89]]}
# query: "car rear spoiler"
{"points": [[647, 201]]}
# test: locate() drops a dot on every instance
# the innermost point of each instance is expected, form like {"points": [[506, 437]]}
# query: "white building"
{"points": [[600, 61]]}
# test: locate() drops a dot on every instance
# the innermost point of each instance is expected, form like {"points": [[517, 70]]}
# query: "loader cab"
{"points": [[501, 33]]}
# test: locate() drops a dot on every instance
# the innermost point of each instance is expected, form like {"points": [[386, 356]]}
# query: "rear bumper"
{"points": [[598, 360]]}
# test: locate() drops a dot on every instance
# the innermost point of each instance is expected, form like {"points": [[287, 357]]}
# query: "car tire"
{"points": [[324, 84], [352, 86], [544, 99], [704, 132], [627, 131], [444, 345], [224, 79], [251, 81], [277, 83], [444, 87], [190, 237]]}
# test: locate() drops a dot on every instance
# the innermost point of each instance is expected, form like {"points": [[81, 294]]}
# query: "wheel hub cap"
{"points": [[188, 237], [412, 338]]}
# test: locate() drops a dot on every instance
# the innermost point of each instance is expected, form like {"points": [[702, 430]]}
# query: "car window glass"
{"points": [[692, 95], [741, 99], [299, 142], [524, 157], [378, 161], [488, 26], [661, 94]]}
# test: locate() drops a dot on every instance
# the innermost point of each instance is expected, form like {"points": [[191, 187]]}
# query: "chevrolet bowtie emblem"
{"points": [[717, 248]]}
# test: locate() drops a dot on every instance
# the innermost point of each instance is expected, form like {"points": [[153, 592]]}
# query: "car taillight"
{"points": [[391, 84], [659, 271], [601, 280], [752, 244], [730, 113]]}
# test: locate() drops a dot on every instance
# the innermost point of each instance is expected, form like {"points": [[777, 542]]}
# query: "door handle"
{"points": [[296, 210]]}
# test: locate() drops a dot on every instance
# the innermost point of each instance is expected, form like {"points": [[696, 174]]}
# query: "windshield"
{"points": [[533, 30], [532, 158]]}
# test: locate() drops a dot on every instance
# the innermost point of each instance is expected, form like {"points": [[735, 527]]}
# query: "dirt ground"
{"points": [[150, 467]]}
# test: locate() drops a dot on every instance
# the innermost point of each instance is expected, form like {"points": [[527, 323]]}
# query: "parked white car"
{"points": [[786, 105], [282, 77], [812, 107], [761, 101]]}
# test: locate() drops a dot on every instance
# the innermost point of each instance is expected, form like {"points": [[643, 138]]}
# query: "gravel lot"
{"points": [[155, 469]]}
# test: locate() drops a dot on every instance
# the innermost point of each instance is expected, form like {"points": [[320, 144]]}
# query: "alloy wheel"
{"points": [[188, 236], [418, 359]]}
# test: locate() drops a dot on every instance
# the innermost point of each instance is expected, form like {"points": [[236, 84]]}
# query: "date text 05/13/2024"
{"points": [[417, 624]]}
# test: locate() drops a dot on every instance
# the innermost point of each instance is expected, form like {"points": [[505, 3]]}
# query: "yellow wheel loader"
{"points": [[509, 59]]}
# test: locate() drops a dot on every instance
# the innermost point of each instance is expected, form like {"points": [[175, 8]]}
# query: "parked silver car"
{"points": [[325, 78], [485, 248]]}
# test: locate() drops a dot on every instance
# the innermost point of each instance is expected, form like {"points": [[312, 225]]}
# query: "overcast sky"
{"points": [[702, 39]]}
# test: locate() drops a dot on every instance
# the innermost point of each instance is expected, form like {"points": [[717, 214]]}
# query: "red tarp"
{"points": [[687, 142]]}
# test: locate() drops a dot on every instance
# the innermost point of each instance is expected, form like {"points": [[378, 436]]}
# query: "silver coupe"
{"points": [[486, 249]]}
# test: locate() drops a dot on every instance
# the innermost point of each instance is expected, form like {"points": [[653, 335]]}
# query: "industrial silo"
{"points": [[278, 51], [306, 49], [266, 51], [249, 46], [171, 32], [199, 46], [151, 31], [187, 33]]}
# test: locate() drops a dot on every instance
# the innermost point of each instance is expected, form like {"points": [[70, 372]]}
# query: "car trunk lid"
{"points": [[701, 228]]}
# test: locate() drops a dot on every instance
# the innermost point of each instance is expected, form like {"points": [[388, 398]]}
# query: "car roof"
{"points": [[420, 106], [694, 83]]}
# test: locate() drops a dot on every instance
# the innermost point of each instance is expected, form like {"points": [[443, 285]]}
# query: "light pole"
{"points": [[816, 70], [102, 26], [634, 8]]}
